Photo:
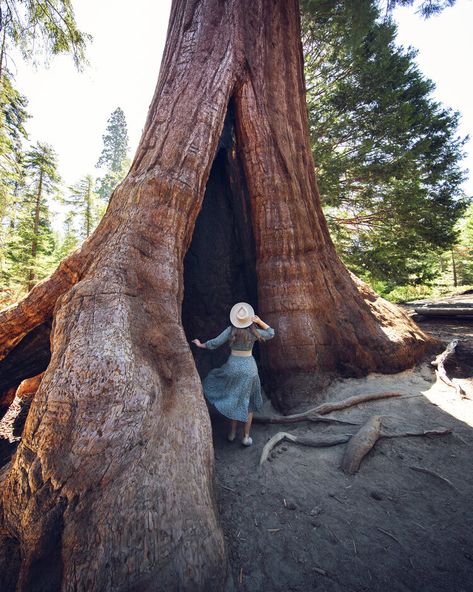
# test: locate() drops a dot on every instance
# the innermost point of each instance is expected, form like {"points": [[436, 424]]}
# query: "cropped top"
{"points": [[264, 334]]}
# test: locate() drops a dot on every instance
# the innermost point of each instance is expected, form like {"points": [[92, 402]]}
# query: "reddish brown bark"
{"points": [[6, 400], [30, 357], [28, 387], [117, 447]]}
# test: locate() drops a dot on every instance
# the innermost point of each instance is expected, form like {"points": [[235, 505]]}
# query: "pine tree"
{"points": [[13, 116], [36, 29], [462, 252], [113, 159], [29, 252], [36, 26], [85, 207], [69, 240], [387, 155]]}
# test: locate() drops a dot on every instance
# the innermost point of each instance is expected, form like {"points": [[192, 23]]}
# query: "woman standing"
{"points": [[235, 388]]}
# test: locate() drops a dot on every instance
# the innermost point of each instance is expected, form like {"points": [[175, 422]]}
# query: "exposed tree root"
{"points": [[18, 320], [440, 371], [314, 413], [363, 442], [303, 440], [315, 418], [360, 444], [352, 401], [428, 433]]}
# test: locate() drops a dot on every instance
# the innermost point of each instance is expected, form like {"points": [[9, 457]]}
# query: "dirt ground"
{"points": [[298, 523]]}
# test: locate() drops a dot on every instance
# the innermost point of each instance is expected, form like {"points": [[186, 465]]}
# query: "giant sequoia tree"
{"points": [[111, 487]]}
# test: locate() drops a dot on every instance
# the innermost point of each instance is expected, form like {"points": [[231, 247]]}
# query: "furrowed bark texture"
{"points": [[111, 487], [327, 321]]}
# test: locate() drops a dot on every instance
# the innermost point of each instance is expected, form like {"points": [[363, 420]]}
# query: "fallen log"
{"points": [[438, 311], [440, 371]]}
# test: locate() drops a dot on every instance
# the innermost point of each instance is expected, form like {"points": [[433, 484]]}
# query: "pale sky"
{"points": [[70, 109], [445, 44]]}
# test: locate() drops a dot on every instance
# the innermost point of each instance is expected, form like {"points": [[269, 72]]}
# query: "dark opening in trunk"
{"points": [[220, 265]]}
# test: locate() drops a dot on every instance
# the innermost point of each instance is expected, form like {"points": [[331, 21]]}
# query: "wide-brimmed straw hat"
{"points": [[241, 315]]}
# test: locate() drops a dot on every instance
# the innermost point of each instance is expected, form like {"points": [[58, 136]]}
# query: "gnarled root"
{"points": [[440, 371], [360, 444], [320, 442], [314, 413]]}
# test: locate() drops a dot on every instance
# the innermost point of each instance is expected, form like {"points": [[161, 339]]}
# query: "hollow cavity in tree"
{"points": [[220, 264]]}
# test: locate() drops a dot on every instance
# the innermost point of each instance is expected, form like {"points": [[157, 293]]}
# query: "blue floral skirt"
{"points": [[234, 389]]}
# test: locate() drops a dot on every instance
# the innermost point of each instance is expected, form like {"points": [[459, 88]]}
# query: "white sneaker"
{"points": [[247, 441], [231, 437]]}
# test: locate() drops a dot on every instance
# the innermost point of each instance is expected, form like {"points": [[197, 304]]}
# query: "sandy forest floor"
{"points": [[298, 523]]}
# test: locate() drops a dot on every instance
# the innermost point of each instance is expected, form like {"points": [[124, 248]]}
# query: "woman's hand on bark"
{"points": [[259, 322]]}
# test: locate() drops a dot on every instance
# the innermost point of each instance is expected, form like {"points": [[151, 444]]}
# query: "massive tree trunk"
{"points": [[111, 487]]}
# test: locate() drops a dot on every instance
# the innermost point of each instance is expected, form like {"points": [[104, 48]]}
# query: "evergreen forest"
{"points": [[388, 156]]}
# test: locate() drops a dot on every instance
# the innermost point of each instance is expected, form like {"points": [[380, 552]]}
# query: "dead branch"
{"points": [[434, 474], [440, 371], [389, 535], [360, 444], [447, 353], [352, 401]]}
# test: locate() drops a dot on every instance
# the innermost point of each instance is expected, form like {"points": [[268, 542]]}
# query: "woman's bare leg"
{"points": [[248, 425], [233, 430]]}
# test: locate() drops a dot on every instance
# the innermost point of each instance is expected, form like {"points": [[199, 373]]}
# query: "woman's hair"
{"points": [[243, 335]]}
